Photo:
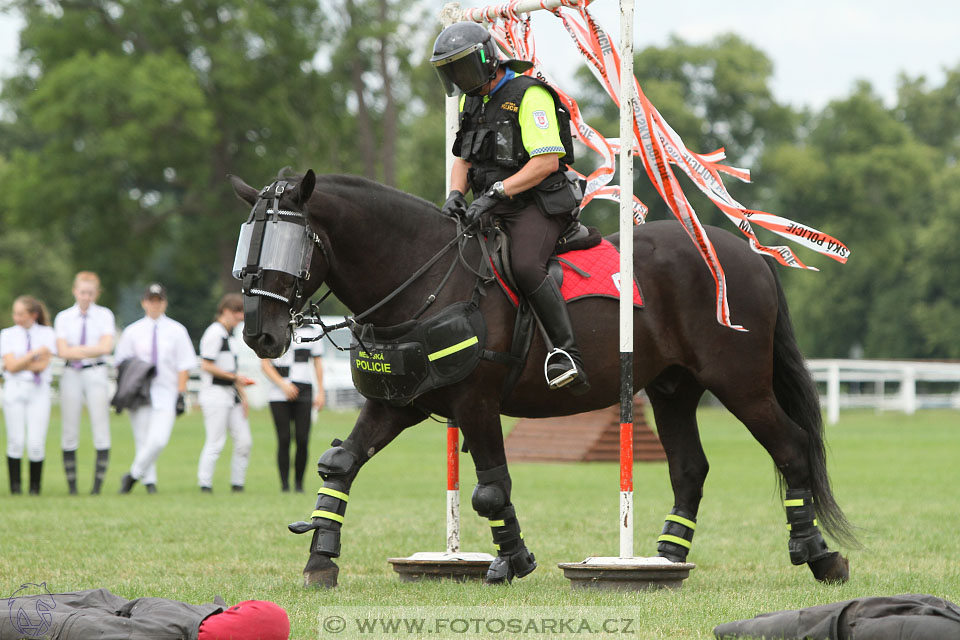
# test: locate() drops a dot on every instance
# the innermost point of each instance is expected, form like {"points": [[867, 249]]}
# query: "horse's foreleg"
{"points": [[674, 397], [480, 422], [376, 426], [491, 500]]}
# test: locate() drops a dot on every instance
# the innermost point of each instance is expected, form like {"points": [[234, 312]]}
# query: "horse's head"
{"points": [[279, 261]]}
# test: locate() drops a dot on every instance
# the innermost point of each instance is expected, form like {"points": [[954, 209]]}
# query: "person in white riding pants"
{"points": [[165, 343], [85, 334], [26, 349], [221, 398]]}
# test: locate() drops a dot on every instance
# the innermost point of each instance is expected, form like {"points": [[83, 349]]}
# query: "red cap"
{"points": [[247, 620]]}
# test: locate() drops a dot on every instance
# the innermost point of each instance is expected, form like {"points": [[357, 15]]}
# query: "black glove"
{"points": [[181, 404], [455, 206], [480, 206]]}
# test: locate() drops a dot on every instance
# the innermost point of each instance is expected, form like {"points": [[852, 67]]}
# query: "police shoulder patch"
{"points": [[540, 119]]}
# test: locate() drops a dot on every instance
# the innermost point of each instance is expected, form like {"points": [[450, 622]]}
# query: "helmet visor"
{"points": [[463, 71]]}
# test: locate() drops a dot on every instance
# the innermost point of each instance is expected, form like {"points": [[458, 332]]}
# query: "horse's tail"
{"points": [[797, 394]]}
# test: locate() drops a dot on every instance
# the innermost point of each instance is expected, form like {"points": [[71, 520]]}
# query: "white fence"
{"points": [[886, 385]]}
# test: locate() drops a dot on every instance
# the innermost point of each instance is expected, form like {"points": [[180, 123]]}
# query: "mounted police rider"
{"points": [[512, 148]]}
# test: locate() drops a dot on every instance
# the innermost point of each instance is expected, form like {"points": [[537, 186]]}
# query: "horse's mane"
{"points": [[362, 188], [405, 212]]}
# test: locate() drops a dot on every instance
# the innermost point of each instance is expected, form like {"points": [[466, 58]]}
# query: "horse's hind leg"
{"points": [[376, 426], [491, 497], [674, 396], [794, 453]]}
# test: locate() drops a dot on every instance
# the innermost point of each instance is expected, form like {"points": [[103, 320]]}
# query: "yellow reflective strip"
{"points": [[460, 346], [797, 502], [521, 535], [681, 520], [814, 522], [674, 539], [496, 546], [790, 526], [329, 515], [333, 492], [496, 523]]}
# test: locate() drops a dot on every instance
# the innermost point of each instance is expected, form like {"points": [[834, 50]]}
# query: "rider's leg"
{"points": [[533, 239]]}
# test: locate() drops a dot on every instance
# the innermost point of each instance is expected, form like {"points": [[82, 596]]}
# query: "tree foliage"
{"points": [[124, 117]]}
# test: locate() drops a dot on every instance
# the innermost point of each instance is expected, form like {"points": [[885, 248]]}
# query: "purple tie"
{"points": [[83, 340], [36, 374], [153, 347]]}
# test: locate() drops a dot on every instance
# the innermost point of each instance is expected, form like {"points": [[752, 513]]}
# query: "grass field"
{"points": [[896, 476]]}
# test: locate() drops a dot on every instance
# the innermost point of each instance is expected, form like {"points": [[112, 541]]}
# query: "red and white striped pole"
{"points": [[626, 278], [453, 487]]}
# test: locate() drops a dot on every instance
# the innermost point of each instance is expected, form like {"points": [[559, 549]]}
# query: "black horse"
{"points": [[371, 238]]}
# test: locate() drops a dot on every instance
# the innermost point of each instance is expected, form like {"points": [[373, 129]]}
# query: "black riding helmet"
{"points": [[466, 58]]}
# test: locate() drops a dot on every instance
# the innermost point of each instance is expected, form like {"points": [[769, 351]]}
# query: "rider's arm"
{"points": [[458, 175]]}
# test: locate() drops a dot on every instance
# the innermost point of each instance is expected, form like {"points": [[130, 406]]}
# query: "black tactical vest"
{"points": [[490, 138]]}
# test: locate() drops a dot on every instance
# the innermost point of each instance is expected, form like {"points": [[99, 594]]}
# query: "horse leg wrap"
{"points": [[337, 466], [513, 558], [492, 492], [677, 535], [806, 543]]}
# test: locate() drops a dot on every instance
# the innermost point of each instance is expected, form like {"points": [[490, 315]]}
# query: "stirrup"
{"points": [[565, 378]]}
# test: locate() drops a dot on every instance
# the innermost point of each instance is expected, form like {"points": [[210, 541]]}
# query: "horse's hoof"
{"points": [[831, 569], [503, 570], [500, 572], [321, 573]]}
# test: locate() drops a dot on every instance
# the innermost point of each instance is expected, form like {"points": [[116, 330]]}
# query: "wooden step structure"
{"points": [[593, 436]]}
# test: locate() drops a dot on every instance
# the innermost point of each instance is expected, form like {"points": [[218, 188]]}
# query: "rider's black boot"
{"points": [[564, 366]]}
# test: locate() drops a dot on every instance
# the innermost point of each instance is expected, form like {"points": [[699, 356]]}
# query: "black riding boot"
{"points": [[13, 468], [562, 371], [103, 457], [36, 470], [70, 468]]}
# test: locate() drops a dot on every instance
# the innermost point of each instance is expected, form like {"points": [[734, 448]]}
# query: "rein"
{"points": [[300, 319]]}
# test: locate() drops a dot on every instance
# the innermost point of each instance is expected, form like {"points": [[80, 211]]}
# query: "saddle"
{"points": [[575, 237]]}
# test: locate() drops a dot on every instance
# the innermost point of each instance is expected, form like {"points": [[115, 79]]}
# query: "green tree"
{"points": [[861, 176], [127, 115], [713, 95]]}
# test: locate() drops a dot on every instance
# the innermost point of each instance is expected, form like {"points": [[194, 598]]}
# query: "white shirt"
{"points": [[301, 371], [217, 346], [69, 326], [174, 354], [13, 340]]}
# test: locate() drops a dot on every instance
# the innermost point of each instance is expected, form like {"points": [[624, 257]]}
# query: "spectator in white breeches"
{"points": [[221, 398], [26, 349], [85, 334], [164, 342]]}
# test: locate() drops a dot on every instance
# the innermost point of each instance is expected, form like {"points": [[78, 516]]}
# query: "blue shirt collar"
{"points": [[509, 75]]}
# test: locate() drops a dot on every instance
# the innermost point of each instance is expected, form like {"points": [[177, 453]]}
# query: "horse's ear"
{"points": [[244, 191], [305, 189]]}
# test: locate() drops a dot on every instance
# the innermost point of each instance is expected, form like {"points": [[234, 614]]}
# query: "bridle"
{"points": [[273, 239]]}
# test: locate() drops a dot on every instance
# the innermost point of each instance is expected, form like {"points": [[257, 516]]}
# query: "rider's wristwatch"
{"points": [[497, 190]]}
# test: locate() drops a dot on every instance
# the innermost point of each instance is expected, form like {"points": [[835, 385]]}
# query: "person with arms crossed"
{"points": [[221, 396], [164, 342], [290, 401], [85, 333], [26, 349]]}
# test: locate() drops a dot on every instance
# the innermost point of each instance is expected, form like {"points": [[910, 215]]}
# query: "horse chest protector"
{"points": [[396, 364]]}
